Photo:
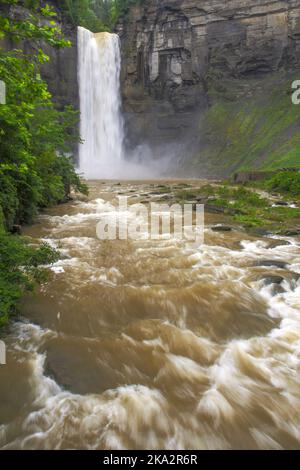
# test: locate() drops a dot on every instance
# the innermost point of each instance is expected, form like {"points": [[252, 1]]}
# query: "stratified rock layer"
{"points": [[175, 52]]}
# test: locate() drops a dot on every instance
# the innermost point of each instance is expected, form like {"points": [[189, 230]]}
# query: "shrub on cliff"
{"points": [[285, 182], [35, 138]]}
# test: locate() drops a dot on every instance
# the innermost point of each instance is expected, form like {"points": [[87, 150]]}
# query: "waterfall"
{"points": [[101, 124]]}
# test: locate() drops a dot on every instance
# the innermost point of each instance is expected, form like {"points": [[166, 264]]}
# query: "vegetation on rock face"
{"points": [[258, 129], [97, 15], [35, 141], [286, 183]]}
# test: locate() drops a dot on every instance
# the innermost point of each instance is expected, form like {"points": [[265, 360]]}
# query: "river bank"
{"points": [[270, 205]]}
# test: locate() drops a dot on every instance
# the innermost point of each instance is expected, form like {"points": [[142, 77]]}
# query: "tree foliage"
{"points": [[97, 15], [20, 268], [35, 141], [285, 182]]}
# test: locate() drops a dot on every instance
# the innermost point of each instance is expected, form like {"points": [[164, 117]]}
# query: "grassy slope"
{"points": [[250, 125]]}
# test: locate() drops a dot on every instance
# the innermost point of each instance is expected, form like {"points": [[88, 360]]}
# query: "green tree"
{"points": [[97, 15], [20, 268], [35, 141], [89, 14]]}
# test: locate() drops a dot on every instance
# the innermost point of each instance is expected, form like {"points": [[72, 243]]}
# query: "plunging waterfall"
{"points": [[101, 124]]}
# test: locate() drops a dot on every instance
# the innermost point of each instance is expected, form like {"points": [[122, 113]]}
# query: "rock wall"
{"points": [[61, 71], [176, 53]]}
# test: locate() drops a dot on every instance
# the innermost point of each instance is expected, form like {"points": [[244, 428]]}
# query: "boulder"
{"points": [[292, 232], [221, 228]]}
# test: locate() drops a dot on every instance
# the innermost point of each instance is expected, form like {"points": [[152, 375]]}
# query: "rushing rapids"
{"points": [[155, 344]]}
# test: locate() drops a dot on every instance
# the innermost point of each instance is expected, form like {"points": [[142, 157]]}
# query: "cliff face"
{"points": [[61, 71], [180, 57]]}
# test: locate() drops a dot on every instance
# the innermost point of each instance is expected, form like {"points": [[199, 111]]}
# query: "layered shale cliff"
{"points": [[204, 78], [204, 82]]}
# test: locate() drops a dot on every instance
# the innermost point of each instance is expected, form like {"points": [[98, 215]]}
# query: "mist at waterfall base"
{"points": [[102, 154]]}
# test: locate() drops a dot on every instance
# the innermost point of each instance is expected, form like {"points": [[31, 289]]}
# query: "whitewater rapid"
{"points": [[155, 344]]}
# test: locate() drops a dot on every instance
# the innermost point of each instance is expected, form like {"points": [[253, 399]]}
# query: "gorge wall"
{"points": [[61, 70], [205, 82], [193, 67]]}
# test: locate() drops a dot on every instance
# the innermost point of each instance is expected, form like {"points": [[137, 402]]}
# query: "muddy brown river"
{"points": [[147, 344]]}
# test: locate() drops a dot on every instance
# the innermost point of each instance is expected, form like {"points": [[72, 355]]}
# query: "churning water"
{"points": [[155, 344]]}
